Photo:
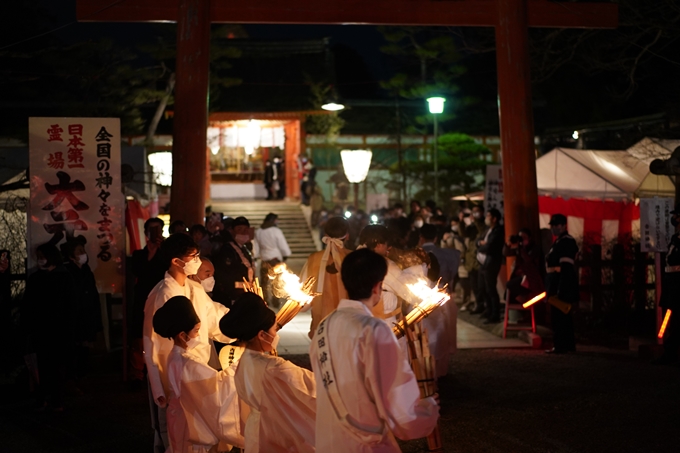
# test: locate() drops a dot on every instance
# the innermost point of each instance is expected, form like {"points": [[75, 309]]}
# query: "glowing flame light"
{"points": [[530, 302], [287, 284], [664, 324], [431, 298]]}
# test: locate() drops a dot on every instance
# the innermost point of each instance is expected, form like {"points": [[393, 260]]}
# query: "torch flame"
{"points": [[664, 324], [429, 296], [530, 302], [288, 285]]}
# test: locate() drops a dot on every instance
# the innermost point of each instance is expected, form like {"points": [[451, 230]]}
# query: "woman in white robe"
{"points": [[203, 410], [281, 395]]}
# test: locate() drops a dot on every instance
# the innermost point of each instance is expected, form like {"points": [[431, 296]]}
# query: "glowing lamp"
{"points": [[530, 302], [575, 135], [374, 218], [436, 104], [348, 214], [162, 167], [332, 106], [356, 164], [664, 324]]}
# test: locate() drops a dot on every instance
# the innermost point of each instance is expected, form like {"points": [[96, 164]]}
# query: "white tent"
{"points": [[614, 175]]}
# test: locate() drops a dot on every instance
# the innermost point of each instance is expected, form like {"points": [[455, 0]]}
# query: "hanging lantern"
{"points": [[356, 164]]}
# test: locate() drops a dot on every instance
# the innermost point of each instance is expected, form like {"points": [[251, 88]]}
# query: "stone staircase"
{"points": [[291, 221]]}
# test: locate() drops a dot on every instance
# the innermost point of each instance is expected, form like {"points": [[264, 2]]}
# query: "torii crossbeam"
{"points": [[510, 18]]}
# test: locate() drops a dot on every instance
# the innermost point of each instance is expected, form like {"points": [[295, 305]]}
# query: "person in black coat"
{"points": [[562, 281], [88, 316], [670, 300], [233, 262], [48, 314], [490, 257], [146, 268]]}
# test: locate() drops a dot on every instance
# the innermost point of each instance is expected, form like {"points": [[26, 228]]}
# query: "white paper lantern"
{"points": [[162, 167], [356, 164]]}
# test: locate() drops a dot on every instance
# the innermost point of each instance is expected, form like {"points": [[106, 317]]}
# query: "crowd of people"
{"points": [[205, 347]]}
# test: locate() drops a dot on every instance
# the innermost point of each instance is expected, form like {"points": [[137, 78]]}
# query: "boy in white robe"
{"points": [[281, 395], [201, 410], [368, 394], [182, 253]]}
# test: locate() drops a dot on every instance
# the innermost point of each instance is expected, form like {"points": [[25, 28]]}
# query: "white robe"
{"points": [[375, 383], [203, 408], [282, 401], [437, 324], [157, 348]]}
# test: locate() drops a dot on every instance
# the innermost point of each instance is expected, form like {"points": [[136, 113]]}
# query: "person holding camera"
{"points": [[525, 276]]}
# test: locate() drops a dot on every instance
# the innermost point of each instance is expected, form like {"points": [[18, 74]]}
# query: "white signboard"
{"points": [[655, 224], [493, 191], [76, 191]]}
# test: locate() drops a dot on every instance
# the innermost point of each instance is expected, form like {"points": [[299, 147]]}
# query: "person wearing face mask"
{"points": [[183, 260], [199, 416], [88, 315], [233, 262], [453, 239], [48, 313], [562, 281], [205, 275], [368, 394], [490, 257], [281, 396]]}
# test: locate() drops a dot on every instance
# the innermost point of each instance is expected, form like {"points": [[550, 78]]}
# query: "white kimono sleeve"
{"points": [[157, 298], [289, 408], [210, 405], [395, 389]]}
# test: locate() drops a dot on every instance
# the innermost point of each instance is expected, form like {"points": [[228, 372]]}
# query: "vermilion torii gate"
{"points": [[510, 18]]}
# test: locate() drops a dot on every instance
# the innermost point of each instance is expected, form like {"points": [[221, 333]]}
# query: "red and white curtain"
{"points": [[603, 222]]}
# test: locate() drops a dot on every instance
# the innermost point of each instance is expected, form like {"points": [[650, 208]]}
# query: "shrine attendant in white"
{"points": [[203, 409], [368, 394], [281, 395], [182, 253]]}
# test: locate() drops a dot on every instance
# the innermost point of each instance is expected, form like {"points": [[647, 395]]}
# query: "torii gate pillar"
{"points": [[520, 195], [189, 156]]}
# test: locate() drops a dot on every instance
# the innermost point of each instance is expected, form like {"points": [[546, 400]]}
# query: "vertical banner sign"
{"points": [[655, 224], [76, 192], [493, 191]]}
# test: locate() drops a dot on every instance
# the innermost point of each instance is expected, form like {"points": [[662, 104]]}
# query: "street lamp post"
{"points": [[356, 164], [436, 106]]}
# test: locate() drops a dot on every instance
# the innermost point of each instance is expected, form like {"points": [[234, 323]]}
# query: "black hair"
{"points": [[361, 271], [240, 221], [178, 245], [177, 315], [495, 213], [247, 317], [428, 231], [526, 231], [176, 224], [336, 227], [68, 248], [151, 221], [372, 235], [198, 228], [51, 254]]}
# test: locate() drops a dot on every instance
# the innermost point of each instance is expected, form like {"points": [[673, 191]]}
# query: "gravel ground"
{"points": [[596, 400]]}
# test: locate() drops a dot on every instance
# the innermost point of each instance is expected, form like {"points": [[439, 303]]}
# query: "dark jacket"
{"points": [[88, 317], [562, 256], [528, 262], [493, 249], [229, 271], [146, 273], [670, 289]]}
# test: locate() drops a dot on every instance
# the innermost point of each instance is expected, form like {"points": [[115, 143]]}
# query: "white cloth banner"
{"points": [[76, 191], [655, 224], [493, 191]]}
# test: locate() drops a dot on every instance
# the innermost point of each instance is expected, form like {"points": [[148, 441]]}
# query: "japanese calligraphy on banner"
{"points": [[76, 191], [493, 191], [655, 224]]}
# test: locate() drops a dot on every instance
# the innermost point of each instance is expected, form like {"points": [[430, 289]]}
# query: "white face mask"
{"points": [[208, 284], [241, 238], [467, 221], [418, 224], [487, 221], [275, 341], [191, 267], [477, 215], [193, 342], [82, 259], [454, 228], [42, 264]]}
